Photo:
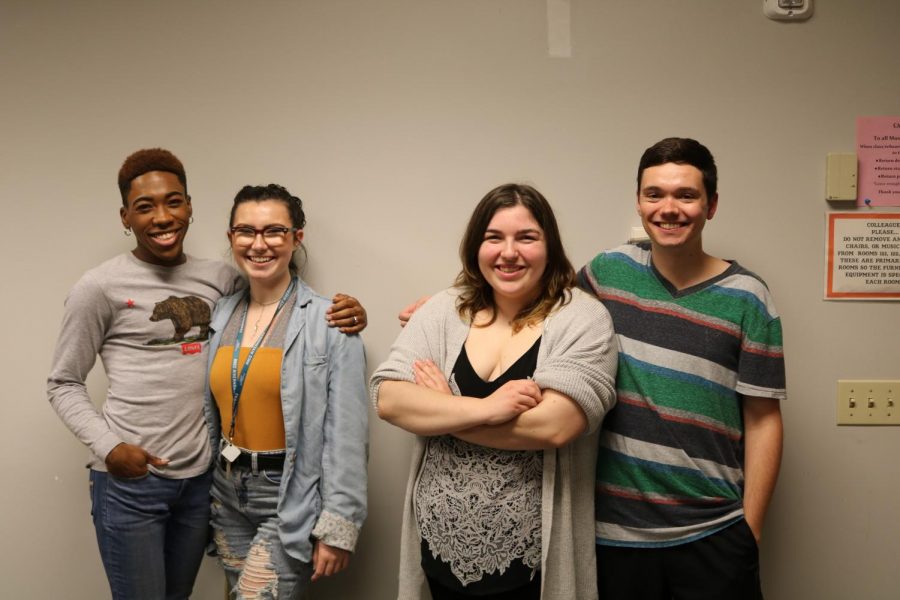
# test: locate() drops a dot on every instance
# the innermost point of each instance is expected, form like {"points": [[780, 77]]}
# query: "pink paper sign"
{"points": [[878, 153]]}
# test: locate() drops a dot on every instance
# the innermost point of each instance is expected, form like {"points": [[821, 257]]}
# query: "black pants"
{"points": [[721, 566], [530, 591]]}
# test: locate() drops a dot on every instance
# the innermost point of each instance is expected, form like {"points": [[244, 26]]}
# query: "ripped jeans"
{"points": [[245, 525]]}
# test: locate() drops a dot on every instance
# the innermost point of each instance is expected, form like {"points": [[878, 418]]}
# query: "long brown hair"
{"points": [[559, 276]]}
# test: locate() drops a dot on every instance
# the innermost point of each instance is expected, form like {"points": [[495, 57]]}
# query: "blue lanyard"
{"points": [[237, 381]]}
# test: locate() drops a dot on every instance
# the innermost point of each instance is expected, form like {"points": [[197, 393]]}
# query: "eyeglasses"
{"points": [[273, 235]]}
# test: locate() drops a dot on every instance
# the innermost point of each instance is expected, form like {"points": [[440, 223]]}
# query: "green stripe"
{"points": [[682, 395], [747, 315], [615, 272], [682, 483]]}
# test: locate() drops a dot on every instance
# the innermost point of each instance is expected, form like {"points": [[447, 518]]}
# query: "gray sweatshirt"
{"points": [[149, 325]]}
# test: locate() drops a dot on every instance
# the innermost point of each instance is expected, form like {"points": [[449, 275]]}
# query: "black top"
{"points": [[472, 385]]}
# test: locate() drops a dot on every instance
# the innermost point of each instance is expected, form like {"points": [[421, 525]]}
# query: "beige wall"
{"points": [[390, 119]]}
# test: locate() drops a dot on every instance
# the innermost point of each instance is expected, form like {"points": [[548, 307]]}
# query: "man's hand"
{"points": [[129, 461], [328, 560], [347, 313], [407, 312]]}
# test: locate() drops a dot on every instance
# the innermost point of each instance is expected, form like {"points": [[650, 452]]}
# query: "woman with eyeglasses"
{"points": [[287, 413], [504, 378]]}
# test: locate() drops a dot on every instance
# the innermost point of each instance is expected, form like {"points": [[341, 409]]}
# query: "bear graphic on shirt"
{"points": [[185, 313]]}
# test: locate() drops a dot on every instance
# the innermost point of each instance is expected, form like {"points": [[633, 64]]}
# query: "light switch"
{"points": [[867, 402]]}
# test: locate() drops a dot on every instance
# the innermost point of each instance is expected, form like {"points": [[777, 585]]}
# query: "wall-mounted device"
{"points": [[788, 10], [638, 235], [840, 177]]}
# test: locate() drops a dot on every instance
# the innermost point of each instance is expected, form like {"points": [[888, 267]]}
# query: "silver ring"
{"points": [[355, 320]]}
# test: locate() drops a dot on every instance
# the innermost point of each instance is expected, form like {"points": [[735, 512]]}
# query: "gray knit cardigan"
{"points": [[577, 357]]}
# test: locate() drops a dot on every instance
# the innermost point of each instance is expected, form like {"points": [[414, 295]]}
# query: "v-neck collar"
{"points": [[733, 267]]}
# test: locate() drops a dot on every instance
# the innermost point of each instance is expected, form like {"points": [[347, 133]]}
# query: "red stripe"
{"points": [[628, 495], [640, 403], [761, 352], [671, 313]]}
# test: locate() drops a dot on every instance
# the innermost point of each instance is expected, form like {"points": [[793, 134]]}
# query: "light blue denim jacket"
{"points": [[325, 408]]}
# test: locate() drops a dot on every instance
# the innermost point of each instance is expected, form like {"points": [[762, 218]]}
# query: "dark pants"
{"points": [[721, 566], [529, 591]]}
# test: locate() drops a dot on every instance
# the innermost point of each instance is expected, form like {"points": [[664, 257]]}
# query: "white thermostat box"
{"points": [[788, 10]]}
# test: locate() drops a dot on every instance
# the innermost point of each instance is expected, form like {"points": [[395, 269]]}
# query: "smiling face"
{"points": [[157, 210], [673, 205], [513, 255], [265, 255]]}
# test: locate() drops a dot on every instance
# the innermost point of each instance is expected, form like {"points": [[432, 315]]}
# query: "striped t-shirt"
{"points": [[670, 466]]}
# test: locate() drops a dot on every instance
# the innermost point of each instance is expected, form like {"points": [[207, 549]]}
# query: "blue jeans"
{"points": [[152, 533], [245, 525]]}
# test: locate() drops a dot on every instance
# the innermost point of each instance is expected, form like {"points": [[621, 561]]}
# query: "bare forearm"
{"points": [[763, 440], [553, 423], [522, 433], [426, 412]]}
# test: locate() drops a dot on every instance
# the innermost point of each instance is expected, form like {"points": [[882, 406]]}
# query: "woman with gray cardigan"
{"points": [[504, 379]]}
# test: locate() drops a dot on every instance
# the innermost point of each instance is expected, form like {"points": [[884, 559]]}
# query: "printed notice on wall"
{"points": [[878, 153], [863, 256]]}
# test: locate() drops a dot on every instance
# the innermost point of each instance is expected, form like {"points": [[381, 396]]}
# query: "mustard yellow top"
{"points": [[260, 422]]}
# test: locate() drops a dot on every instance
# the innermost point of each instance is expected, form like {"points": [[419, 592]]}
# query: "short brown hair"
{"points": [[682, 151], [559, 276], [144, 161]]}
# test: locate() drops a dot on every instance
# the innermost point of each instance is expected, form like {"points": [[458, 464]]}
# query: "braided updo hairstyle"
{"points": [[273, 191]]}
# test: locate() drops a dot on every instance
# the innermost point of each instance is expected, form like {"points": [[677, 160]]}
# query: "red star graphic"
{"points": [[129, 303]]}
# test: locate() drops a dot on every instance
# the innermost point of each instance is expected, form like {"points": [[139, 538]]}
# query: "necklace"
{"points": [[265, 303], [259, 318], [263, 306]]}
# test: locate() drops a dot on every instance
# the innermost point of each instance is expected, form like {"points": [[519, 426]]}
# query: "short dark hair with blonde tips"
{"points": [[559, 276], [145, 161]]}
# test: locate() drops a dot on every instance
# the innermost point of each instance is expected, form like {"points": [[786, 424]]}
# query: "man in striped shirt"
{"points": [[690, 455]]}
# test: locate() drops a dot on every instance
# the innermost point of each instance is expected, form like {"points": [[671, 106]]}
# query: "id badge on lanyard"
{"points": [[230, 452]]}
